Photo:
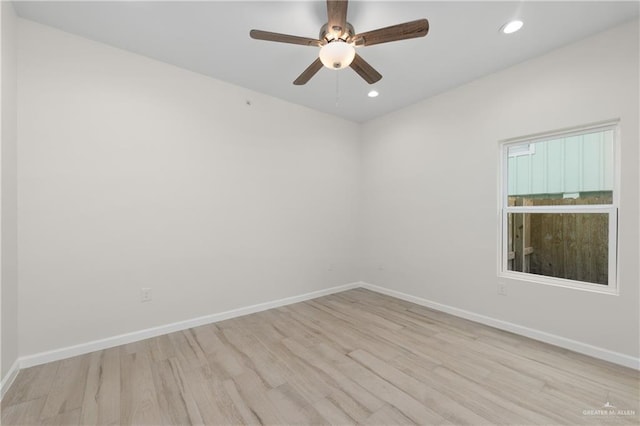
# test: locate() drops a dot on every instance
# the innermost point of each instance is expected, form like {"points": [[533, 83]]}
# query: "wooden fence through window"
{"points": [[562, 245]]}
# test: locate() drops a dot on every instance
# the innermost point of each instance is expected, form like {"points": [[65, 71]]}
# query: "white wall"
{"points": [[8, 200], [134, 173], [431, 189]]}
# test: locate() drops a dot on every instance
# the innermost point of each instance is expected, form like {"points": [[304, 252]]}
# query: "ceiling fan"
{"points": [[338, 39]]}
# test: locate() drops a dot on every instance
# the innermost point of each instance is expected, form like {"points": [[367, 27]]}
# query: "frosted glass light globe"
{"points": [[337, 54]]}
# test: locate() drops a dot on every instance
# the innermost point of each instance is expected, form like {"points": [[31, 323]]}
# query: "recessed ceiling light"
{"points": [[511, 27], [373, 94]]}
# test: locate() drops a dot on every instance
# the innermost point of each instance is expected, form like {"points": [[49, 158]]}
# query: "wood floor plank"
{"points": [[208, 396], [453, 411], [388, 415], [138, 396], [311, 385], [268, 368], [332, 414], [343, 382], [350, 404], [23, 413], [226, 360], [289, 327], [359, 313], [173, 394], [254, 392], [188, 351], [511, 411], [239, 404], [101, 403], [67, 390], [67, 418], [161, 348], [293, 407], [345, 332], [356, 357], [477, 403], [409, 406], [206, 338], [31, 383]]}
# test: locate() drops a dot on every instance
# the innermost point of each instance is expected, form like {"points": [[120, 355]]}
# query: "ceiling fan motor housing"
{"points": [[329, 34]]}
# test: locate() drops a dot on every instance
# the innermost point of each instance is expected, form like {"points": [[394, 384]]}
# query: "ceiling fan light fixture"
{"points": [[512, 26], [337, 54]]}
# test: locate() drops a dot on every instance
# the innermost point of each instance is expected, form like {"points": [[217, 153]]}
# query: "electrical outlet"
{"points": [[145, 295], [502, 289]]}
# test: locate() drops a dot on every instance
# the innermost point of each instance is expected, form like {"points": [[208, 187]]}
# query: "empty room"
{"points": [[320, 212]]}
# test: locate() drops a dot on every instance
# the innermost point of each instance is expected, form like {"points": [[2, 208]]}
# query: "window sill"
{"points": [[560, 282]]}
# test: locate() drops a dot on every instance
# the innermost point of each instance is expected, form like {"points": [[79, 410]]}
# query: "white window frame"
{"points": [[611, 209]]}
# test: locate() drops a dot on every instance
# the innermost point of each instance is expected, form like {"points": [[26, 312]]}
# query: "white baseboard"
{"points": [[109, 342], [563, 342], [8, 379]]}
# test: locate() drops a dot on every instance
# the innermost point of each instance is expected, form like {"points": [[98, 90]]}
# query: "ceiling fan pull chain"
{"points": [[337, 89]]}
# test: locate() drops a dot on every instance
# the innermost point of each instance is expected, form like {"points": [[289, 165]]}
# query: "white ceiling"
{"points": [[212, 38]]}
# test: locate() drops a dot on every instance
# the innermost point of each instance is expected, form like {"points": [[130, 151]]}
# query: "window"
{"points": [[559, 208]]}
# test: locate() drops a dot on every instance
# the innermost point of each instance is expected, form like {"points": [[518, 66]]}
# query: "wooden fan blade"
{"points": [[365, 70], [337, 16], [284, 38], [408, 30], [308, 73]]}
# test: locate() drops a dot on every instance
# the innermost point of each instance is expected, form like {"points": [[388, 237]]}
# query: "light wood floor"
{"points": [[349, 358]]}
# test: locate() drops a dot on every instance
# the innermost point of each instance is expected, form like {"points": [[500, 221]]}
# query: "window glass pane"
{"points": [[574, 246], [568, 170]]}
